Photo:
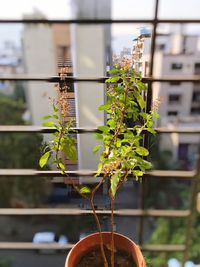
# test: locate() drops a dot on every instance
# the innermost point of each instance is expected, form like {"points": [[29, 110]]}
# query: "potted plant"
{"points": [[122, 155]]}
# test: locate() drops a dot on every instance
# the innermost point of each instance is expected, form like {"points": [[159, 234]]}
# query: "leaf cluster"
{"points": [[123, 151], [62, 147]]}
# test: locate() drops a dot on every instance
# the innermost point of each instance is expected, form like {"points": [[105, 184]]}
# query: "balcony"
{"points": [[43, 200]]}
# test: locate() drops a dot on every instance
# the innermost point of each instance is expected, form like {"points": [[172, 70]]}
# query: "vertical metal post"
{"points": [[148, 108], [194, 191]]}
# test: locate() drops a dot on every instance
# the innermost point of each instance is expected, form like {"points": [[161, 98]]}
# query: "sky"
{"points": [[126, 9]]}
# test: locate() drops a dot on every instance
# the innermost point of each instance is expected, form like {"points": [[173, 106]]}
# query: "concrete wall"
{"points": [[39, 60], [89, 44]]}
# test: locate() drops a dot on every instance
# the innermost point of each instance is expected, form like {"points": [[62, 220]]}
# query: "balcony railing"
{"points": [[141, 213]]}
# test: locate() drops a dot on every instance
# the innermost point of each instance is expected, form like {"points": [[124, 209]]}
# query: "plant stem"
{"points": [[112, 230], [97, 220]]}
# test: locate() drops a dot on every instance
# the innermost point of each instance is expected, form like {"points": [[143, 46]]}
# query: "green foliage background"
{"points": [[18, 151]]}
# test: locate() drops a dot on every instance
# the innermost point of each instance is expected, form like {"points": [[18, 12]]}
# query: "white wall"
{"points": [[39, 60], [89, 60]]}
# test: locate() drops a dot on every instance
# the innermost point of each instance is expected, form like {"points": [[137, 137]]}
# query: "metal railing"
{"points": [[141, 213]]}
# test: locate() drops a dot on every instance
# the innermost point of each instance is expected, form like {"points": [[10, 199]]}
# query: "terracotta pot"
{"points": [[92, 241]]}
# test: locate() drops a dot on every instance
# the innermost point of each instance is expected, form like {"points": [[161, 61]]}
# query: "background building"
{"points": [[179, 55]]}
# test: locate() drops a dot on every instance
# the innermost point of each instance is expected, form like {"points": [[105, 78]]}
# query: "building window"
{"points": [[176, 66], [196, 97], [172, 113], [175, 83], [195, 111], [197, 68], [183, 151], [174, 98]]}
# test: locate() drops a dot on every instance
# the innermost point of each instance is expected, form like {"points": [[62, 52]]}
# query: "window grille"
{"points": [[140, 213]]}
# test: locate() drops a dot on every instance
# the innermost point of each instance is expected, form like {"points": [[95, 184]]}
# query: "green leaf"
{"points": [[61, 166], [99, 169], [114, 70], [69, 149], [111, 123], [141, 85], [84, 190], [55, 116], [95, 149], [104, 106], [142, 151], [43, 160], [104, 129], [113, 79], [144, 115], [99, 136], [138, 173], [49, 124], [156, 115], [114, 181], [146, 164], [151, 130], [139, 99], [46, 117], [55, 108], [118, 143]]}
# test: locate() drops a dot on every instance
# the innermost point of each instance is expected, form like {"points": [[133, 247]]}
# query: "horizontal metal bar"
{"points": [[179, 130], [39, 129], [171, 174], [55, 246], [103, 212], [86, 173], [75, 21], [72, 79], [98, 21], [46, 130], [32, 246], [163, 248]]}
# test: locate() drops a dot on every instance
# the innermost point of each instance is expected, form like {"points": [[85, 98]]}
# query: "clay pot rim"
{"points": [[96, 234]]}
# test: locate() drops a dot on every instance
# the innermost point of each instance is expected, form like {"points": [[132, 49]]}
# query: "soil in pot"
{"points": [[94, 258]]}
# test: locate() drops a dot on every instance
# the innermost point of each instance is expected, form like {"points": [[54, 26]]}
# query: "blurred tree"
{"points": [[18, 151]]}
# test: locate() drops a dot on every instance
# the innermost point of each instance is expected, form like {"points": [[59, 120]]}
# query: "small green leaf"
{"points": [[95, 149], [139, 99], [55, 116], [156, 115], [141, 85], [138, 173], [118, 143], [142, 151], [114, 181], [104, 106], [55, 108], [49, 124], [99, 136], [99, 169], [61, 166], [104, 129], [46, 117], [111, 123], [151, 130], [113, 79], [43, 160], [144, 115], [114, 70], [146, 164], [84, 190], [69, 149]]}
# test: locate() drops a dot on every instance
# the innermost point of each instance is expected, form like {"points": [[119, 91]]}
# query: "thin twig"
{"points": [[97, 220]]}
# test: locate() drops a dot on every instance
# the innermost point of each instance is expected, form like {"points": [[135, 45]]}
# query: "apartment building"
{"points": [[10, 64], [178, 55]]}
